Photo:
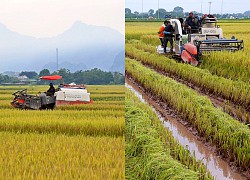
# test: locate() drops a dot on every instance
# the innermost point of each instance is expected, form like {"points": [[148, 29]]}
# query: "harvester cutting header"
{"points": [[204, 35], [65, 94]]}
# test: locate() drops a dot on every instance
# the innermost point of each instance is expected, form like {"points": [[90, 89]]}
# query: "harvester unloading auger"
{"points": [[66, 94], [209, 37]]}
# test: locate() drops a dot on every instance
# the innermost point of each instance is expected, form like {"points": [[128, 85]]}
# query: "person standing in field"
{"points": [[160, 34], [168, 36]]}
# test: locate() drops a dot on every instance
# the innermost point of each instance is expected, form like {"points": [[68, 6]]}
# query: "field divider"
{"points": [[231, 138]]}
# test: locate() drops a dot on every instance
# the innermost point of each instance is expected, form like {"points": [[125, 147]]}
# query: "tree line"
{"points": [[176, 13], [94, 76]]}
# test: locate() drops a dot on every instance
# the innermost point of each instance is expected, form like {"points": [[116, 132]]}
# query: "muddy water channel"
{"points": [[219, 168]]}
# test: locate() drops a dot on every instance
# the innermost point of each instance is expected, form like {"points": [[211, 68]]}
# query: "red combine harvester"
{"points": [[66, 94]]}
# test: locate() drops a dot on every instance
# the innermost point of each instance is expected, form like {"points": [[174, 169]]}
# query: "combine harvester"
{"points": [[66, 94], [209, 37]]}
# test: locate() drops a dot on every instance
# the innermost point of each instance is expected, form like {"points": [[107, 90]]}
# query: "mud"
{"points": [[188, 137]]}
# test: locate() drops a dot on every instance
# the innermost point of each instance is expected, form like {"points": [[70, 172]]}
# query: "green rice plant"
{"points": [[152, 162], [235, 91], [230, 136], [142, 121]]}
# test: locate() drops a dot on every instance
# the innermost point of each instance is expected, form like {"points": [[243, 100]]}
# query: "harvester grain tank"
{"points": [[190, 45], [66, 94]]}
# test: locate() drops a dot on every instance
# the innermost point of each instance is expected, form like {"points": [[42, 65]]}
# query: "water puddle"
{"points": [[219, 168]]}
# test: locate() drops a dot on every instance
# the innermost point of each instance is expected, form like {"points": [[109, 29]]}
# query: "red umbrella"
{"points": [[55, 77]]}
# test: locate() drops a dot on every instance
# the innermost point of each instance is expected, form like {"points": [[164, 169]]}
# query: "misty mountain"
{"points": [[81, 46], [119, 62], [52, 66]]}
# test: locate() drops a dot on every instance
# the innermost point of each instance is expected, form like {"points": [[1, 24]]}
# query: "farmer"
{"points": [[51, 91], [168, 36], [191, 23], [160, 34]]}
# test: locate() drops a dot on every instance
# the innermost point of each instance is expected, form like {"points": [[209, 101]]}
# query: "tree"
{"points": [[247, 13], [127, 11], [178, 12], [151, 12], [186, 14], [162, 13], [8, 79], [136, 14], [143, 15], [93, 76], [29, 74], [44, 72], [96, 76], [119, 78], [66, 75]]}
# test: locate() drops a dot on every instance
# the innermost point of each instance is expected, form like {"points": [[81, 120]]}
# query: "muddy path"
{"points": [[237, 112], [188, 137]]}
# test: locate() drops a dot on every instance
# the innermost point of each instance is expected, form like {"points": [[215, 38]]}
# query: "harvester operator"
{"points": [[191, 23], [51, 91]]}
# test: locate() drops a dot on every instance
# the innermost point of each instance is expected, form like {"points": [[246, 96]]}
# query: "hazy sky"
{"points": [[46, 18], [229, 6]]}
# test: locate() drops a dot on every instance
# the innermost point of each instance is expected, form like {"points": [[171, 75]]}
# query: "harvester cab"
{"points": [[66, 94], [189, 45]]}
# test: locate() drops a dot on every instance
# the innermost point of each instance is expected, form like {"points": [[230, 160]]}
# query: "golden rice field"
{"points": [[222, 75], [69, 142]]}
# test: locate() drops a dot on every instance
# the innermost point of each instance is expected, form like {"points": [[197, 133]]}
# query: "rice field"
{"points": [[222, 75], [151, 150], [69, 142]]}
